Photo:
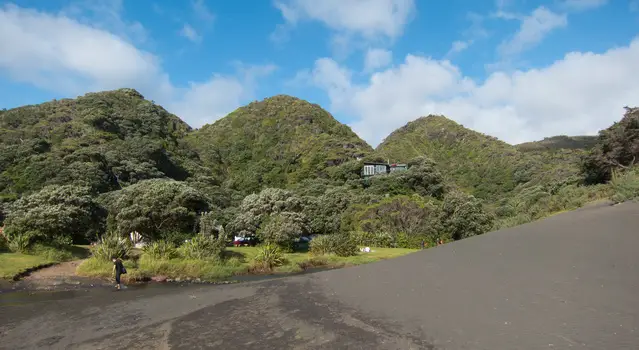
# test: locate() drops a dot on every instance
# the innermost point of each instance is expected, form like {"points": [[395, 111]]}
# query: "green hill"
{"points": [[559, 142], [278, 141], [102, 140], [480, 164]]}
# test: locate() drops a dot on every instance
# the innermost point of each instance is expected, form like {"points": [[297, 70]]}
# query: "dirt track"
{"points": [[567, 282]]}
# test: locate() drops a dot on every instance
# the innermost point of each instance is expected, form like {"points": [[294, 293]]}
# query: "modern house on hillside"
{"points": [[372, 169]]}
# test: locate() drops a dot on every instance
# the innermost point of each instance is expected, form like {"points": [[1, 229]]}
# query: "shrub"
{"points": [[155, 208], [413, 215], [463, 216], [162, 250], [51, 253], [282, 228], [177, 238], [55, 216], [403, 240], [373, 239], [20, 243], [338, 244], [112, 245], [203, 247], [625, 185], [268, 256]]}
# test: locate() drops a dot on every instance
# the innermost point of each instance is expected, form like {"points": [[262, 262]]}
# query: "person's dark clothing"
{"points": [[119, 267]]}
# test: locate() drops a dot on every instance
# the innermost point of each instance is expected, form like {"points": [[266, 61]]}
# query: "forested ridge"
{"points": [[106, 164]]}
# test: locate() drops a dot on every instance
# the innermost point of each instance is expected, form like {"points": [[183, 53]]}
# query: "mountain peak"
{"points": [[277, 141], [129, 92], [479, 163]]}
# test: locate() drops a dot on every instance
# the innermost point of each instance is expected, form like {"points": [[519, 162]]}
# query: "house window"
{"points": [[369, 170], [380, 169]]}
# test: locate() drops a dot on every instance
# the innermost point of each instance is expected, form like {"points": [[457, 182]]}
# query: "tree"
{"points": [[156, 208], [325, 212], [463, 216], [422, 178], [412, 215], [56, 214], [404, 221], [282, 228], [273, 214], [617, 148]]}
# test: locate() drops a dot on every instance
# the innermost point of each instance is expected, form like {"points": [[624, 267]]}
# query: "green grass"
{"points": [[238, 262], [12, 264]]}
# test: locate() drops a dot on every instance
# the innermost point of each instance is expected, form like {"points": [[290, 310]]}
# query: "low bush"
{"points": [[52, 253], [373, 239], [162, 250], [111, 245], [203, 247], [338, 244], [403, 240], [20, 243], [177, 238], [388, 240], [625, 185], [534, 203], [268, 257]]}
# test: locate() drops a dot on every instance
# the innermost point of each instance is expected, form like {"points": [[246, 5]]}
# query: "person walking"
{"points": [[118, 271]]}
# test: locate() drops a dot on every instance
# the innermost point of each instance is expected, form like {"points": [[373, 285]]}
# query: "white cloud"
{"points": [[459, 46], [372, 20], [377, 58], [57, 53], [532, 31], [581, 5], [580, 94], [106, 15], [190, 33], [474, 33], [202, 11]]}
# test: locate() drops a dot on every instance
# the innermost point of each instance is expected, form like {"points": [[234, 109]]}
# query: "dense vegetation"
{"points": [[559, 142], [479, 164], [275, 142], [103, 141], [107, 164], [617, 147]]}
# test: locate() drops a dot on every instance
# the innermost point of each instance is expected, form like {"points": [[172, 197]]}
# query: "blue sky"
{"points": [[519, 70]]}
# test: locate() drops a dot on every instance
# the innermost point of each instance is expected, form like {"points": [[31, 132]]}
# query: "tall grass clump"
{"points": [[202, 247], [20, 243], [338, 244], [112, 245], [268, 257], [161, 250]]}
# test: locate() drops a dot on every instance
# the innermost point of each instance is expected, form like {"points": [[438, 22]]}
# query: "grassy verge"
{"points": [[12, 264], [238, 262]]}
